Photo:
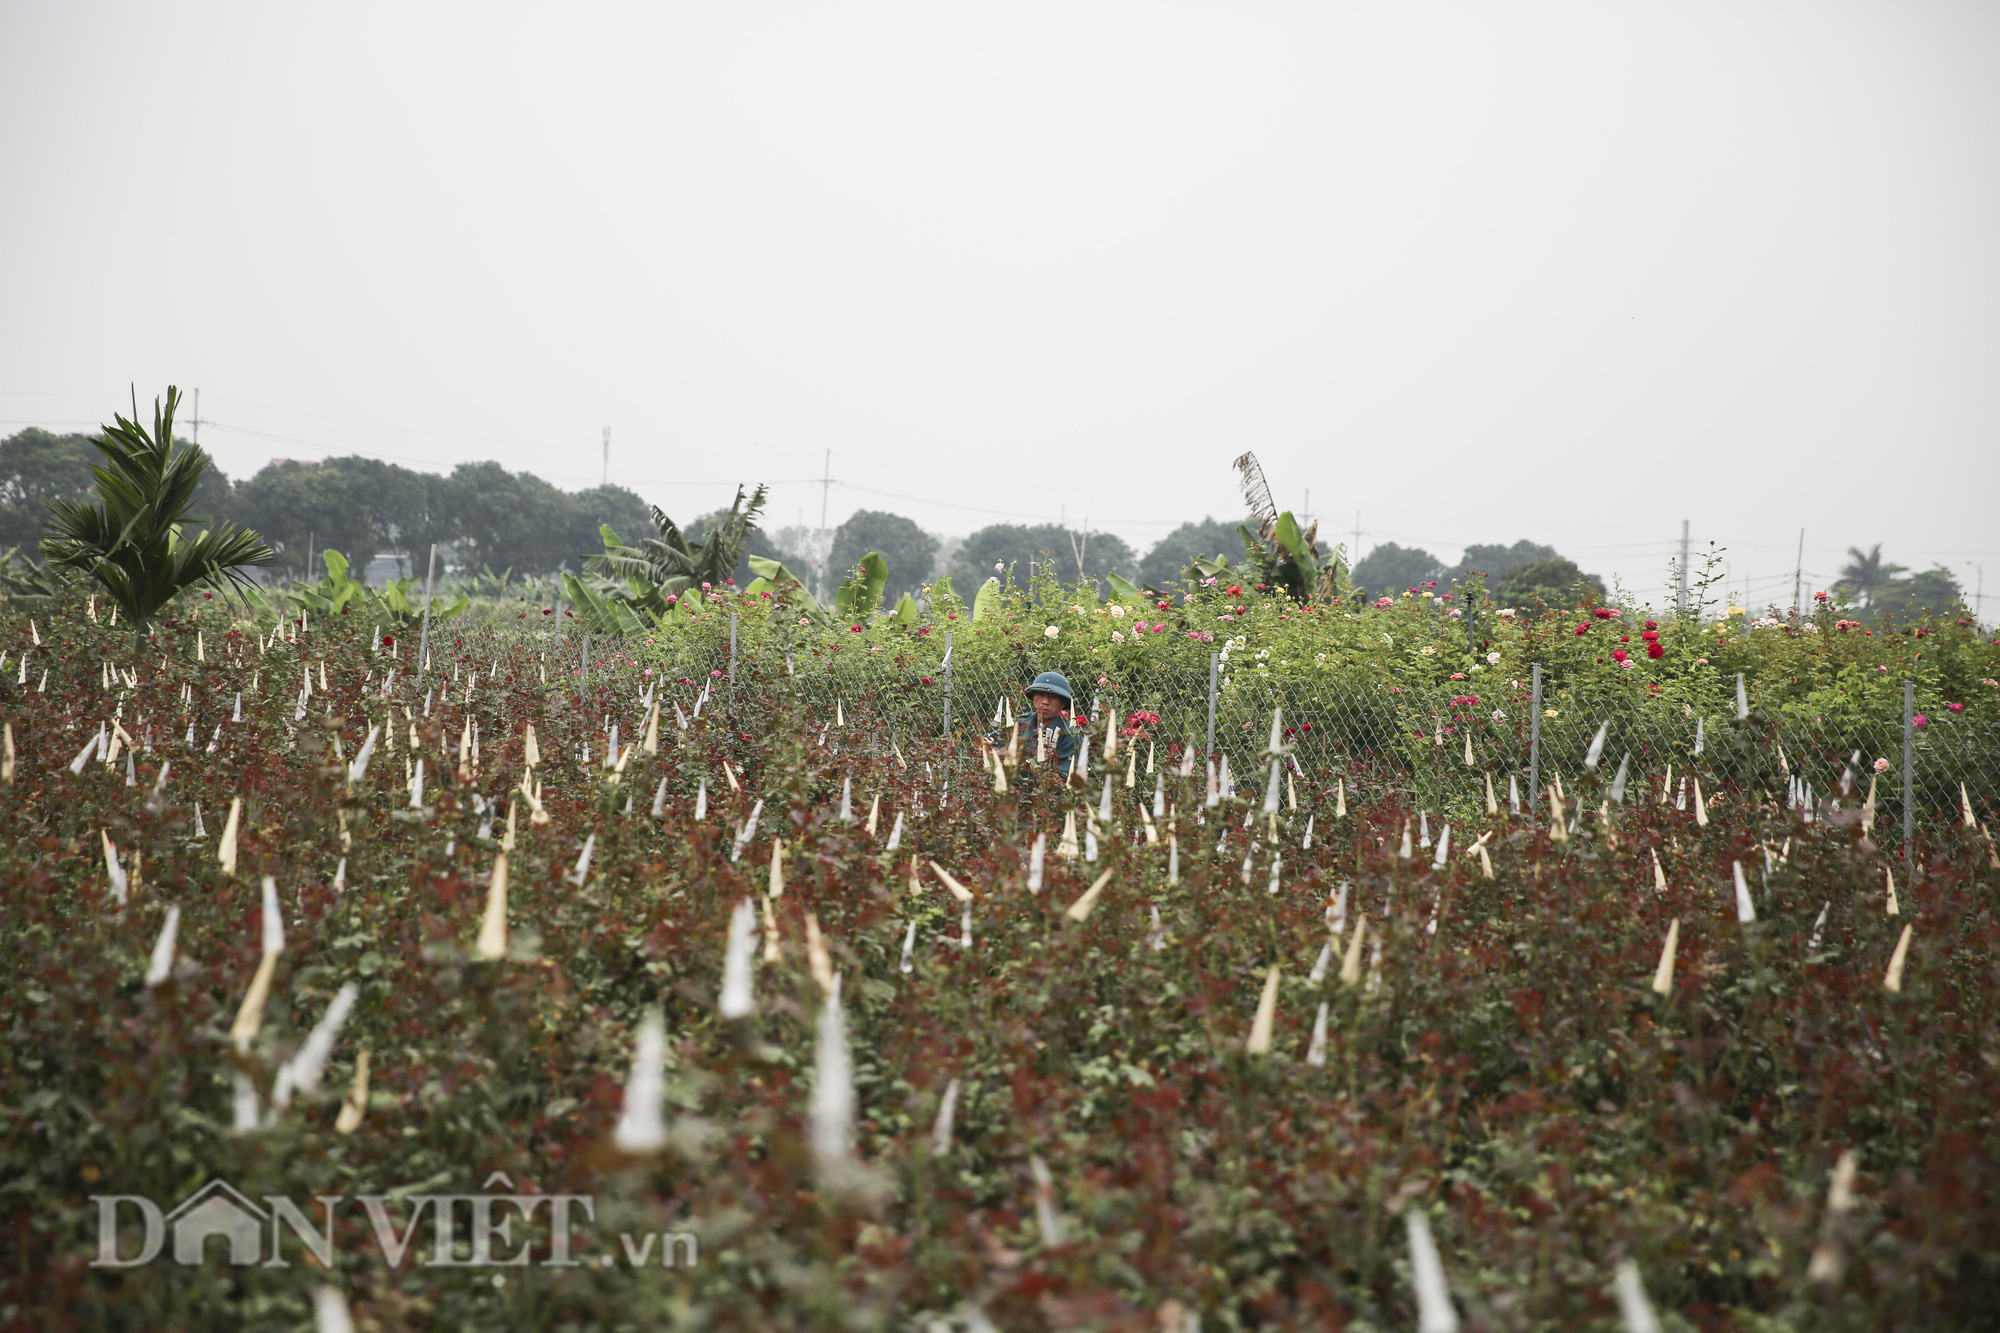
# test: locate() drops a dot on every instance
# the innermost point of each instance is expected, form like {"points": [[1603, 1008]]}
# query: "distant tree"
{"points": [[36, 467], [1554, 581], [1168, 561], [630, 516], [909, 550], [1390, 569], [1496, 561], [1049, 544], [1868, 574], [505, 519], [300, 505], [1931, 590]]}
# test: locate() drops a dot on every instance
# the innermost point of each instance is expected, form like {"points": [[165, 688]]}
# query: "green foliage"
{"points": [[602, 613], [910, 551], [1389, 569], [1556, 582], [1288, 563], [862, 594], [25, 583], [1170, 557], [986, 601], [1869, 574], [130, 541], [1494, 561], [1930, 591], [1057, 550], [37, 467], [397, 606], [649, 578]]}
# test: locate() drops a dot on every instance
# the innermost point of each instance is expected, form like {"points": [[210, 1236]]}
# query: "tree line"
{"points": [[491, 518], [487, 515]]}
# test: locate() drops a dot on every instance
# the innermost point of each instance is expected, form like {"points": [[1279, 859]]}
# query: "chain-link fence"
{"points": [[1435, 747]]}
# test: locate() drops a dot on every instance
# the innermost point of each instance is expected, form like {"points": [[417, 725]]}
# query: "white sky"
{"points": [[1565, 272]]}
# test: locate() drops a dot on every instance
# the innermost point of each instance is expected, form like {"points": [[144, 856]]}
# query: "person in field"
{"points": [[1047, 730]]}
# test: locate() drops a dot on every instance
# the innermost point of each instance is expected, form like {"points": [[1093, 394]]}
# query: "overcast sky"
{"points": [[1480, 271]]}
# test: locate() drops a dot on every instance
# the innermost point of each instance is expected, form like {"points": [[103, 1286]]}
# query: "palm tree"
{"points": [[130, 538], [1867, 574]]}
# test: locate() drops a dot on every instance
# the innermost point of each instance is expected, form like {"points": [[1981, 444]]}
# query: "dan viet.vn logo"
{"points": [[490, 1230]]}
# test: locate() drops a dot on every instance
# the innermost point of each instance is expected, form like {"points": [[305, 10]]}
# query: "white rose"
{"points": [[1118, 611], [1050, 632], [1493, 659]]}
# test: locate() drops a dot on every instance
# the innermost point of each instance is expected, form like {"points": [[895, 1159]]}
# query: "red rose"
{"points": [[1602, 613], [1582, 629], [1236, 591], [1651, 625], [1619, 654], [1656, 650]]}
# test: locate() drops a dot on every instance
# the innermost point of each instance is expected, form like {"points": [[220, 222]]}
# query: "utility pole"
{"points": [[1354, 555], [822, 540], [1683, 603], [195, 434], [1799, 572], [607, 455]]}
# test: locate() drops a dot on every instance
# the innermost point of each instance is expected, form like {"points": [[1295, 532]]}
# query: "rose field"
{"points": [[723, 974]]}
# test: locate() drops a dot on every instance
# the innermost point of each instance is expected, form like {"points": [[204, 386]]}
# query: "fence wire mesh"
{"points": [[1435, 748]]}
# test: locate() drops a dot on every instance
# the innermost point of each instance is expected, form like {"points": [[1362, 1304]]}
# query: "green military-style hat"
{"points": [[1052, 682]]}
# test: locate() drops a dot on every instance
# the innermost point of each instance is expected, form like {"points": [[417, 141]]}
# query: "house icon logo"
{"points": [[218, 1209]]}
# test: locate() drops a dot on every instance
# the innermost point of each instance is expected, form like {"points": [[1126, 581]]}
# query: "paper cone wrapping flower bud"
{"points": [[1081, 909], [1892, 980], [493, 928], [303, 1071], [1746, 911], [225, 854], [831, 1116], [161, 968], [1663, 975], [941, 1127], [1435, 1313], [736, 1000], [1259, 1042], [641, 1129]]}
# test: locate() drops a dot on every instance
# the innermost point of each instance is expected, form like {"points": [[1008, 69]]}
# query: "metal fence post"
{"points": [[1535, 750], [1214, 665], [583, 676], [947, 685], [732, 659], [424, 640], [1909, 777]]}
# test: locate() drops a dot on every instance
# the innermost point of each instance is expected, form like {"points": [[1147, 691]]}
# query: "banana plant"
{"points": [[1288, 560], [25, 583], [858, 598], [605, 615], [774, 578], [986, 602], [645, 574], [398, 606]]}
